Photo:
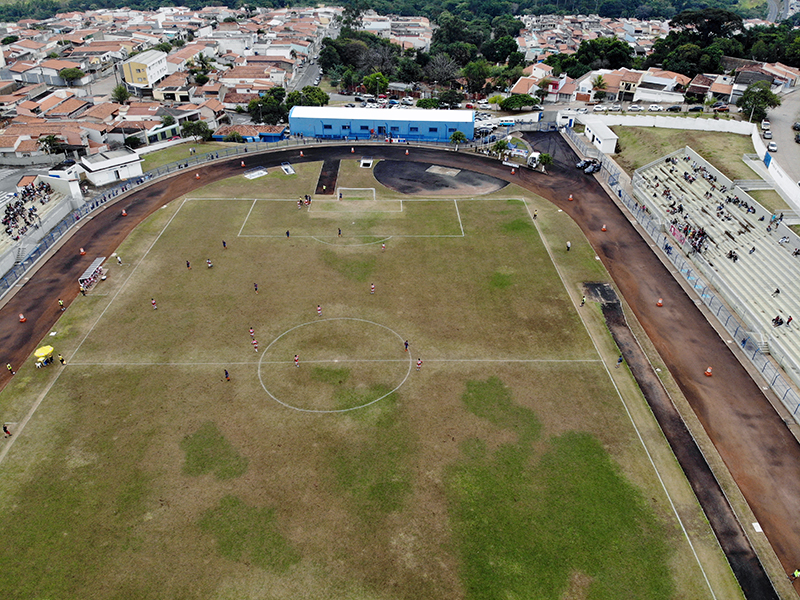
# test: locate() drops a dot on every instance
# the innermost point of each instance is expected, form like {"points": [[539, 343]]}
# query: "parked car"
{"points": [[773, 147], [408, 101], [174, 137], [483, 102], [723, 108], [796, 126], [358, 99], [583, 164], [350, 105], [469, 105], [583, 110], [655, 108], [768, 135], [718, 103], [592, 168], [797, 138], [696, 109], [675, 108], [634, 108], [393, 102], [616, 107], [765, 125], [599, 108]]}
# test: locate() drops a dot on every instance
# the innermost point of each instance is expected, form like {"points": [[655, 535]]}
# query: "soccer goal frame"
{"points": [[344, 193]]}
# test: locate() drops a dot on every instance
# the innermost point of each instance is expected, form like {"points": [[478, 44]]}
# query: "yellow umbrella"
{"points": [[44, 351]]}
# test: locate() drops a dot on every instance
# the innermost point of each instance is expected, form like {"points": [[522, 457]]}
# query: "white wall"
{"points": [[646, 95], [722, 125]]}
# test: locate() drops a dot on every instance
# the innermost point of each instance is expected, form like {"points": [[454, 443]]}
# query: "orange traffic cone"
{"points": [[708, 372], [242, 163], [22, 318], [197, 175], [570, 198], [83, 252], [513, 171], [660, 302], [124, 213], [352, 150], [301, 154], [603, 228], [406, 151]]}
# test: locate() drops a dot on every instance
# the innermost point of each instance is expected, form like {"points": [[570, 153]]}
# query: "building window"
{"points": [[327, 127], [138, 70], [451, 130], [365, 128], [413, 129], [433, 129], [345, 127], [394, 129]]}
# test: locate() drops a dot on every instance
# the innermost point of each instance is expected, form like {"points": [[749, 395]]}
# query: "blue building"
{"points": [[416, 124]]}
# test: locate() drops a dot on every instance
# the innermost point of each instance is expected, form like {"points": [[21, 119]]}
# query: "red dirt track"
{"points": [[756, 445]]}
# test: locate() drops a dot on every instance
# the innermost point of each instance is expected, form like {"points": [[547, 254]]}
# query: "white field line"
{"points": [[334, 360], [627, 410], [7, 447], [458, 214], [252, 206]]}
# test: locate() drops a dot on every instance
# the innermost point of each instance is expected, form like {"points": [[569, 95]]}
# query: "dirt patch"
{"points": [[326, 184], [425, 179]]}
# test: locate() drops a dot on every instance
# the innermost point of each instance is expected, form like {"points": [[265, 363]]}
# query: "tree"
{"points": [[476, 73], [329, 58], [517, 101], [49, 143], [500, 146], [313, 96], [353, 14], [9, 39], [516, 59], [168, 120], [497, 51], [267, 109], [377, 83], [234, 136], [442, 68], [451, 97], [756, 99], [708, 23], [409, 71], [458, 137], [604, 53], [543, 89], [545, 159], [428, 103], [197, 129], [120, 94], [71, 74], [164, 47], [201, 79]]}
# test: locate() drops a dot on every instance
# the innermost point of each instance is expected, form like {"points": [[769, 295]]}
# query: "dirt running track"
{"points": [[758, 449]]}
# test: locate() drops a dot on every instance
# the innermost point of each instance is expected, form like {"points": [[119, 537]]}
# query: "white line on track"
{"points": [[334, 360]]}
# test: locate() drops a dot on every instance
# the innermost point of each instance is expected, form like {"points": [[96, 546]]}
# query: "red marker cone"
{"points": [[603, 228], [83, 252], [124, 213], [708, 372], [301, 154], [22, 318], [660, 302]]}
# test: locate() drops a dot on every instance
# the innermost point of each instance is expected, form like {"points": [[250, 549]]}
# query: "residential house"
{"points": [[143, 71], [252, 133]]}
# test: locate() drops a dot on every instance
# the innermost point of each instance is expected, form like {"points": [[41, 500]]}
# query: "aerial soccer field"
{"points": [[494, 458]]}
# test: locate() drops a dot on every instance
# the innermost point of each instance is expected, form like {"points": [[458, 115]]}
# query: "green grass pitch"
{"points": [[507, 467]]}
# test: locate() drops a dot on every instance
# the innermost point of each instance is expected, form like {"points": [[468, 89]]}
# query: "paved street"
{"points": [[781, 120]]}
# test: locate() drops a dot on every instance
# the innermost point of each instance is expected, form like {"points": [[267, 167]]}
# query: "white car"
{"points": [[483, 102], [599, 108], [408, 101], [583, 110], [634, 108], [616, 107], [655, 108], [773, 147]]}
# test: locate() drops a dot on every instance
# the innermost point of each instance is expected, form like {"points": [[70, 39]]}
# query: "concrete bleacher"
{"points": [[6, 241], [754, 277]]}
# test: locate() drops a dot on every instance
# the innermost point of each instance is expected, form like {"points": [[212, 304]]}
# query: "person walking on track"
{"points": [[419, 364]]}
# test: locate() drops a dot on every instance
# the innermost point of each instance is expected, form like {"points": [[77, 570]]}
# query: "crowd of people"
{"points": [[20, 212]]}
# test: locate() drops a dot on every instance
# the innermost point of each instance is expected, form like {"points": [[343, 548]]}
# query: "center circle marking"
{"points": [[340, 410]]}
